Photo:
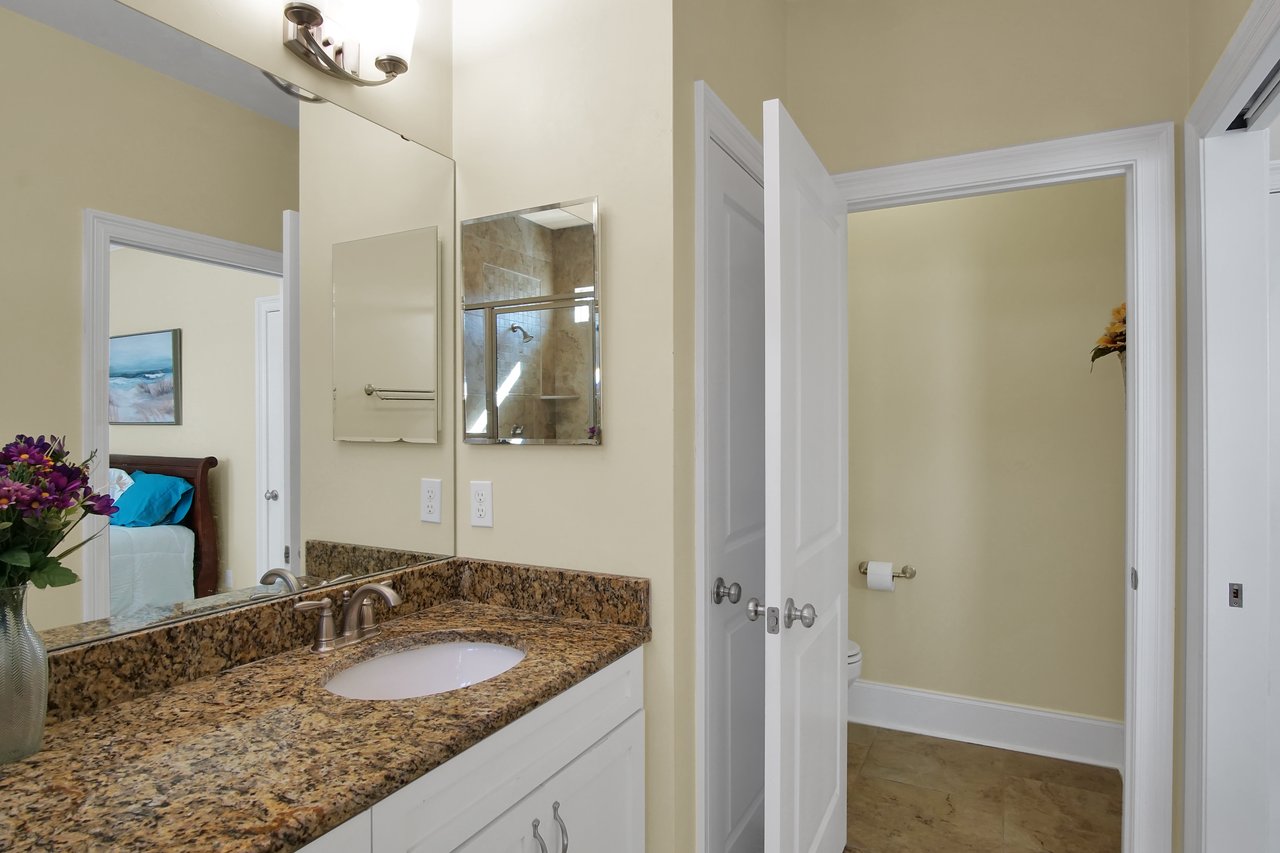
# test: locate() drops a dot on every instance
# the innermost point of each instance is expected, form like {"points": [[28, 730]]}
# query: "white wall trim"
{"points": [[1144, 157], [101, 231], [1073, 737], [1273, 177], [714, 125], [1250, 55]]}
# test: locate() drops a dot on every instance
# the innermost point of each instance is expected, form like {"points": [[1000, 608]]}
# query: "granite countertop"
{"points": [[262, 758]]}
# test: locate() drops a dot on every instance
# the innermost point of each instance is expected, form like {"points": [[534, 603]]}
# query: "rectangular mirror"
{"points": [[104, 161], [386, 337], [531, 326]]}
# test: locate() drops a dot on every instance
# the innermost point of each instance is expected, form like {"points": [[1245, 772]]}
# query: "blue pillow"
{"points": [[153, 499]]}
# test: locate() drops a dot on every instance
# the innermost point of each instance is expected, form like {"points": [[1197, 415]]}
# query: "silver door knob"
{"points": [[271, 495], [733, 592], [754, 609], [807, 615]]}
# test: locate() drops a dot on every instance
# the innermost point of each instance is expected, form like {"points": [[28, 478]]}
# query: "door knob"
{"points": [[805, 614], [271, 495], [733, 592], [754, 609]]}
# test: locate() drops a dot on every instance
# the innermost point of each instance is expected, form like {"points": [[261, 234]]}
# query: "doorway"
{"points": [[1143, 158], [113, 243]]}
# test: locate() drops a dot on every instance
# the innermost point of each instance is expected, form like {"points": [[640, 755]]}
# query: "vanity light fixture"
{"points": [[384, 28]]}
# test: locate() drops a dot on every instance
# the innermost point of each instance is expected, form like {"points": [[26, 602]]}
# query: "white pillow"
{"points": [[117, 482]]}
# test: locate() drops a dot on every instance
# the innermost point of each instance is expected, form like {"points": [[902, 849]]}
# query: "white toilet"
{"points": [[853, 659]]}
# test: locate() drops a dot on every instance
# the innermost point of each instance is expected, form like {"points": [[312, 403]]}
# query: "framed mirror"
{"points": [[531, 326]]}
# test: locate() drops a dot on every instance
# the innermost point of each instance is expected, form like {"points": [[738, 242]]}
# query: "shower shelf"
{"points": [[554, 397]]}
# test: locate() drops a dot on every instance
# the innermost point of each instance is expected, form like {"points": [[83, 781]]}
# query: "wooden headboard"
{"points": [[200, 519]]}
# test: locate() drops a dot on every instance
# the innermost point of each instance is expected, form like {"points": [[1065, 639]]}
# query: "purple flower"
{"points": [[25, 450], [13, 494], [100, 505]]}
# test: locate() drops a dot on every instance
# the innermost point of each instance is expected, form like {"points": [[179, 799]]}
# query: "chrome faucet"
{"points": [[357, 611], [290, 579], [357, 616]]}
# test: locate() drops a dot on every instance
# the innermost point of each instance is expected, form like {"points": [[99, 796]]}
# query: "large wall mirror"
{"points": [[164, 168], [531, 326]]}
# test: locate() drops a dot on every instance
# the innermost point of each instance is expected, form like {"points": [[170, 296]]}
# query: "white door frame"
{"points": [[715, 125], [1144, 157], [1230, 729], [101, 230]]}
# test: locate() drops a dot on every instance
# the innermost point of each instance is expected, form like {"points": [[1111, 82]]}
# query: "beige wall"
{"points": [[215, 309], [1212, 23], [416, 105], [358, 491], [599, 124], [72, 143], [892, 81], [984, 452]]}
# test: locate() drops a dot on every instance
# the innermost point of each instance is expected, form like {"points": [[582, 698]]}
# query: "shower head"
{"points": [[526, 337]]}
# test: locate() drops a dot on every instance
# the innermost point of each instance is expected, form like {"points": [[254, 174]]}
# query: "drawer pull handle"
{"points": [[564, 830], [542, 845]]}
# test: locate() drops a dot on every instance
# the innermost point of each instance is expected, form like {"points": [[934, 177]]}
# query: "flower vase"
{"points": [[1124, 372], [24, 678]]}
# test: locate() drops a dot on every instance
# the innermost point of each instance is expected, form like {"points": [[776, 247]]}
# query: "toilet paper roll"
{"points": [[880, 575]]}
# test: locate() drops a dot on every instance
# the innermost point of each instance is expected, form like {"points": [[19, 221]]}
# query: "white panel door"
{"points": [[734, 476], [272, 488], [806, 495]]}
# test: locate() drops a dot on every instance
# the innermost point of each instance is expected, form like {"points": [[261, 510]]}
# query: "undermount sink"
{"points": [[424, 670]]}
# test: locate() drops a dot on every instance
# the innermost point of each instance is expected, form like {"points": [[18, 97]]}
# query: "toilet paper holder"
{"points": [[907, 573]]}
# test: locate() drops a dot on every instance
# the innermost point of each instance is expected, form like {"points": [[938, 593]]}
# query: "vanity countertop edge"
{"points": [[261, 757]]}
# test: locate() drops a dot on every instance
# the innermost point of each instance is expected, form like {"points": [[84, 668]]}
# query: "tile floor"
{"points": [[916, 794]]}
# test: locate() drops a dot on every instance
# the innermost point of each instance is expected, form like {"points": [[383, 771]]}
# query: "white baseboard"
{"points": [[1075, 737]]}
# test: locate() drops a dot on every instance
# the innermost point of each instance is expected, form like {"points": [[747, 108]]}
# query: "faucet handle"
{"points": [[326, 635]]}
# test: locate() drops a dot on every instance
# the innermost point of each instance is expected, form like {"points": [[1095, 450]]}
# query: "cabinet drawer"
{"points": [[450, 804]]}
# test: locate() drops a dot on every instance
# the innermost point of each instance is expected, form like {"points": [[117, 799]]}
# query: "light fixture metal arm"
{"points": [[303, 37], [319, 57]]}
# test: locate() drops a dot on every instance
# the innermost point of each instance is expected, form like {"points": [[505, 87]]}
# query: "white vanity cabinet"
{"points": [[584, 750]]}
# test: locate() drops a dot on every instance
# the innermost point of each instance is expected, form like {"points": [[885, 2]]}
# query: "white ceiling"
{"points": [[131, 34]]}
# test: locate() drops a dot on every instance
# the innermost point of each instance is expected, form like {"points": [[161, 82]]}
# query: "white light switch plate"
{"points": [[481, 503], [429, 502]]}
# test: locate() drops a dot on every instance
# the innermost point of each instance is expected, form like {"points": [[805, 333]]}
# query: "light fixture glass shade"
{"points": [[388, 28]]}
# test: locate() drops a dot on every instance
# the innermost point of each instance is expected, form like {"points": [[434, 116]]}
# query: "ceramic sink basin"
{"points": [[424, 671]]}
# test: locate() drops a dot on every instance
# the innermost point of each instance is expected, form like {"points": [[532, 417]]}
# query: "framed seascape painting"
{"points": [[144, 383]]}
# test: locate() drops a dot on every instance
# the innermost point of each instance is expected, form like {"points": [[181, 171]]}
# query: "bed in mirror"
{"points": [[152, 132]]}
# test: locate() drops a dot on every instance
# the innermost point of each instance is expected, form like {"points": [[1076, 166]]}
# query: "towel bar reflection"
{"points": [[398, 393], [907, 573]]}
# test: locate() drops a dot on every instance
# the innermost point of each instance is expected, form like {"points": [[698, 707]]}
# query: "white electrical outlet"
{"points": [[429, 502], [481, 503]]}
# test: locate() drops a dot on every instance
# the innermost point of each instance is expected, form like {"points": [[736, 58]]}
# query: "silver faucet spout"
{"points": [[290, 579], [357, 612]]}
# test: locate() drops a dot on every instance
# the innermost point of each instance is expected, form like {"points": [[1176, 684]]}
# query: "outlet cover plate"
{"points": [[482, 503], [429, 501]]}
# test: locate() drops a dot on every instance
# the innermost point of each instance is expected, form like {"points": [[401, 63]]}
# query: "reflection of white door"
{"points": [[733, 477], [806, 495], [272, 488]]}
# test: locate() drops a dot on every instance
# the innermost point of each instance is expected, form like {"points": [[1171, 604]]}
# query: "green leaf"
{"points": [[16, 557], [52, 573]]}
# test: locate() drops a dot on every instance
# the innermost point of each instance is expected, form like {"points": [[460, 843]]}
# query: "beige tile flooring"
{"points": [[916, 794]]}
